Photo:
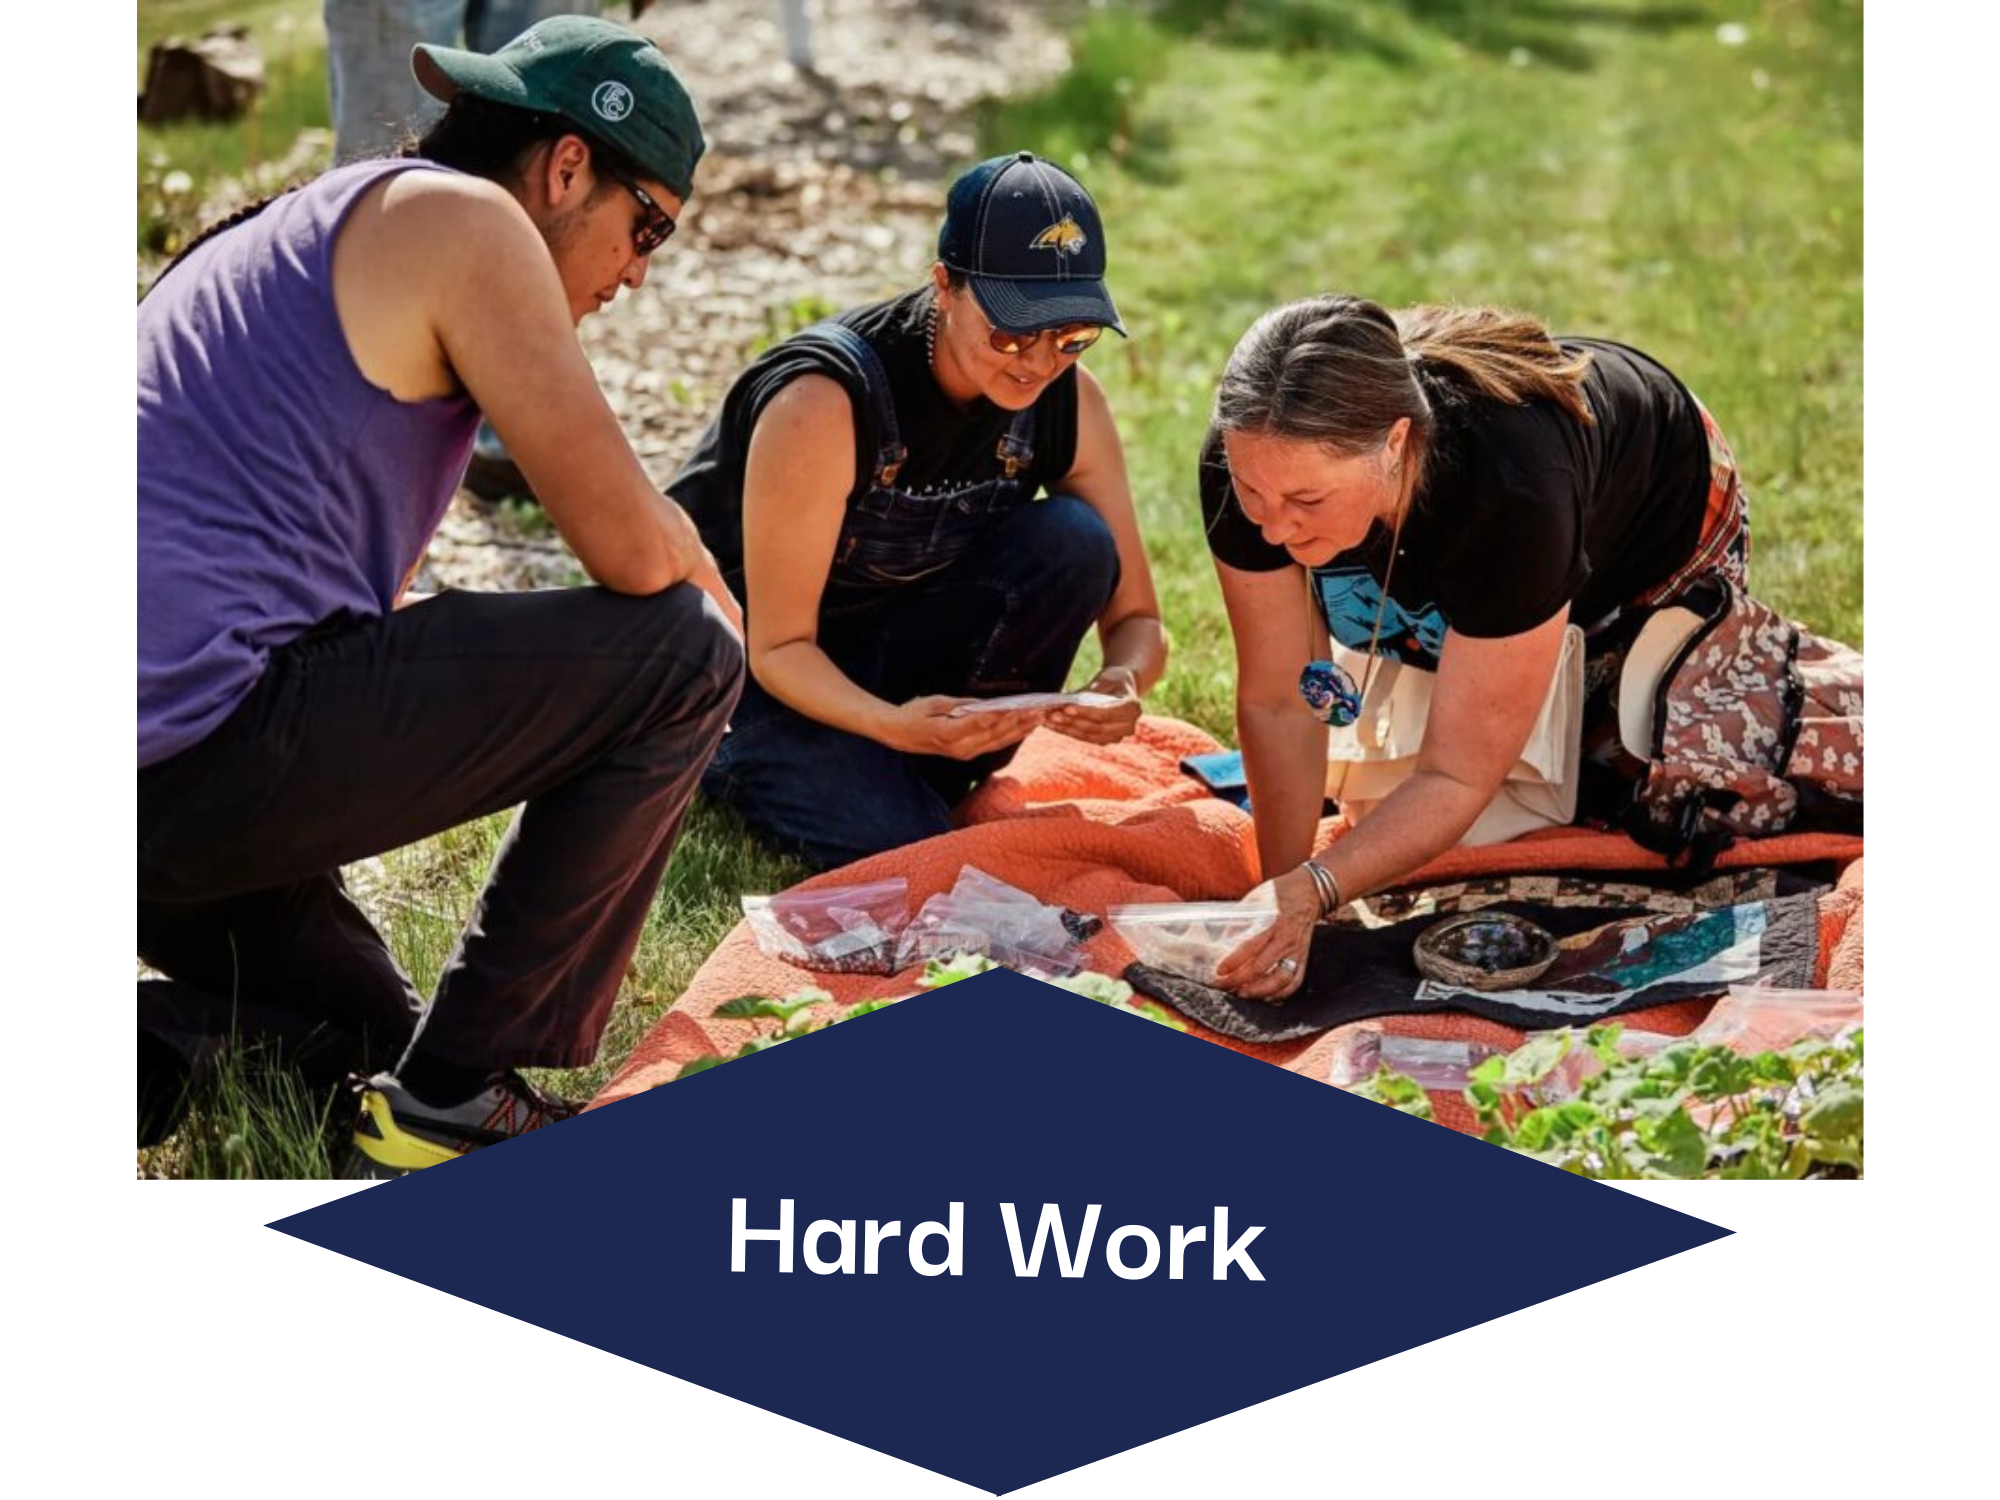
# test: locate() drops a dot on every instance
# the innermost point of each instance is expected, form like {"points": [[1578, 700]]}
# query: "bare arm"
{"points": [[795, 485], [1483, 708], [1276, 631], [451, 285], [1133, 638]]}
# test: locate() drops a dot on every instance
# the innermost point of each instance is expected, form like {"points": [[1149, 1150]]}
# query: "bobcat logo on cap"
{"points": [[612, 100], [1065, 237]]}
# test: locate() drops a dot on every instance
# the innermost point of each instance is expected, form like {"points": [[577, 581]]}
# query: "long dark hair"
{"points": [[474, 136], [1342, 371]]}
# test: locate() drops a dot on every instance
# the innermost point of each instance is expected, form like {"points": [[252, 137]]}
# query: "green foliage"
{"points": [[1646, 186], [782, 321], [1099, 987], [1091, 114], [1646, 183], [194, 171], [524, 517], [1690, 1110], [253, 1118], [1398, 1092], [794, 1012]]}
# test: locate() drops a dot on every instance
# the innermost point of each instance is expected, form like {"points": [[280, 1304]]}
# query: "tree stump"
{"points": [[217, 78]]}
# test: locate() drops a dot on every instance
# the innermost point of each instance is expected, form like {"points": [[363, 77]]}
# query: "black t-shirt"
{"points": [[949, 447], [1522, 509]]}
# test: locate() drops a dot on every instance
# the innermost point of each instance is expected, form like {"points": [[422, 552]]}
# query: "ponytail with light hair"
{"points": [[1506, 355], [1341, 371]]}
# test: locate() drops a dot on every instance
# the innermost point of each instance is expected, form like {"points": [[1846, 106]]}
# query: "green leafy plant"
{"points": [[1688, 1110], [1099, 987], [795, 1013]]}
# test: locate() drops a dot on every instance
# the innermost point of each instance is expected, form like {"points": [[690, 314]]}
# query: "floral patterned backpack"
{"points": [[1733, 722]]}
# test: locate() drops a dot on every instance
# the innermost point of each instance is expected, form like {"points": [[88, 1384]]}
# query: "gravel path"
{"points": [[819, 190]]}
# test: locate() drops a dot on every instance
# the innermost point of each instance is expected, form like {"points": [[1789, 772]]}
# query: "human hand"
{"points": [[1105, 725], [924, 726], [1272, 964], [707, 576]]}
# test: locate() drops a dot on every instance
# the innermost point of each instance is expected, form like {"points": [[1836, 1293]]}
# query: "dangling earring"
{"points": [[930, 332]]}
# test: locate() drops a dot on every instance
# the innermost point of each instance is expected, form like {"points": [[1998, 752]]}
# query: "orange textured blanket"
{"points": [[1089, 826]]}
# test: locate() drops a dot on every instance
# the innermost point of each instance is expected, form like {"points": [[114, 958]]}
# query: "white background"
{"points": [[157, 1336]]}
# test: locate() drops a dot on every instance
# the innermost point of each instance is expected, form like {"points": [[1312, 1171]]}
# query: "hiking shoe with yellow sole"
{"points": [[399, 1133]]}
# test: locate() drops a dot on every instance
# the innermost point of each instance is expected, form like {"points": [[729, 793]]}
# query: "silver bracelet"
{"points": [[1327, 887]]}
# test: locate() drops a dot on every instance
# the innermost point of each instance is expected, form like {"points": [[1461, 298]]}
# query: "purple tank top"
{"points": [[277, 488]]}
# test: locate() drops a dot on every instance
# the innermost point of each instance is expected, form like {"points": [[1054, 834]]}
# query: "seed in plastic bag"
{"points": [[1081, 925], [873, 960]]}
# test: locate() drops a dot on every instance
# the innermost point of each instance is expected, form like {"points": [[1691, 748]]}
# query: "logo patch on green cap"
{"points": [[612, 100], [611, 81]]}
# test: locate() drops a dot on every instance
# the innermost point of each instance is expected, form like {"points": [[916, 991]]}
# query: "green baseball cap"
{"points": [[609, 81]]}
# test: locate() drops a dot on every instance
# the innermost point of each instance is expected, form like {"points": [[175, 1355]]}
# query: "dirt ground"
{"points": [[820, 189]]}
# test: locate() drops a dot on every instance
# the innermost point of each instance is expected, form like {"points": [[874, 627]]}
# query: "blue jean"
{"points": [[1006, 617], [368, 42]]}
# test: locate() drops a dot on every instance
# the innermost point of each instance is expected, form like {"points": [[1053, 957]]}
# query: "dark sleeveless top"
{"points": [[928, 473]]}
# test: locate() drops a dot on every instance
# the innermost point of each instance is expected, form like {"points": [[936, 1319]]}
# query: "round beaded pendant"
{"points": [[1330, 693]]}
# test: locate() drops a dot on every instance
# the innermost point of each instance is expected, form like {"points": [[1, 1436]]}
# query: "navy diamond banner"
{"points": [[1000, 1231]]}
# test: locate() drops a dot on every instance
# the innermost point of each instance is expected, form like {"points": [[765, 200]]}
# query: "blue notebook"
{"points": [[1221, 771]]}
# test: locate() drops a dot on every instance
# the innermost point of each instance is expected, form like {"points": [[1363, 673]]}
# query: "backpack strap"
{"points": [[890, 454]]}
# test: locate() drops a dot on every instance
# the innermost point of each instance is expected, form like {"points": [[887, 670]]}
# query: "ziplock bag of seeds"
{"points": [[1190, 938], [836, 929], [936, 932], [1019, 930], [1360, 1050], [1755, 1018]]}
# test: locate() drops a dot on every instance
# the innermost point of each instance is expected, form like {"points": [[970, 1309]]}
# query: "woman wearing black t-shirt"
{"points": [[923, 502], [1449, 488]]}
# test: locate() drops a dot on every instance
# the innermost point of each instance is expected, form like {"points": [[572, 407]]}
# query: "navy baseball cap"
{"points": [[1027, 237]]}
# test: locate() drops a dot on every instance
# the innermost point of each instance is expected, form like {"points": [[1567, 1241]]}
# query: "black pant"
{"points": [[596, 710]]}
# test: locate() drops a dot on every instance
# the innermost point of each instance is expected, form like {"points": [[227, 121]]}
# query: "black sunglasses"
{"points": [[656, 226]]}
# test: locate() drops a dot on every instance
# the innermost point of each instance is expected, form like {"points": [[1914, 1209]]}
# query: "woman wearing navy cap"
{"points": [[923, 502]]}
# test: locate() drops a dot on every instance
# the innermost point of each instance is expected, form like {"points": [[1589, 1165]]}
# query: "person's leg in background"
{"points": [[492, 24], [372, 94], [373, 97], [596, 710], [489, 26], [1007, 617]]}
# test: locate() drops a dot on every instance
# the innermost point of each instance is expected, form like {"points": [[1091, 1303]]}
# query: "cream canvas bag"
{"points": [[1371, 757]]}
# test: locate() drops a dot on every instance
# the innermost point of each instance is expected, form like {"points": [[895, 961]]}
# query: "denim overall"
{"points": [[974, 591]]}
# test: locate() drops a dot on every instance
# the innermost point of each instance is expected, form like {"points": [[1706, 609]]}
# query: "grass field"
{"points": [[1682, 177], [182, 164]]}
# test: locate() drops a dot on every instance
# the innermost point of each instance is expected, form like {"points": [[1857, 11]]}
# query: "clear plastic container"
{"points": [[835, 929], [1190, 938]]}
